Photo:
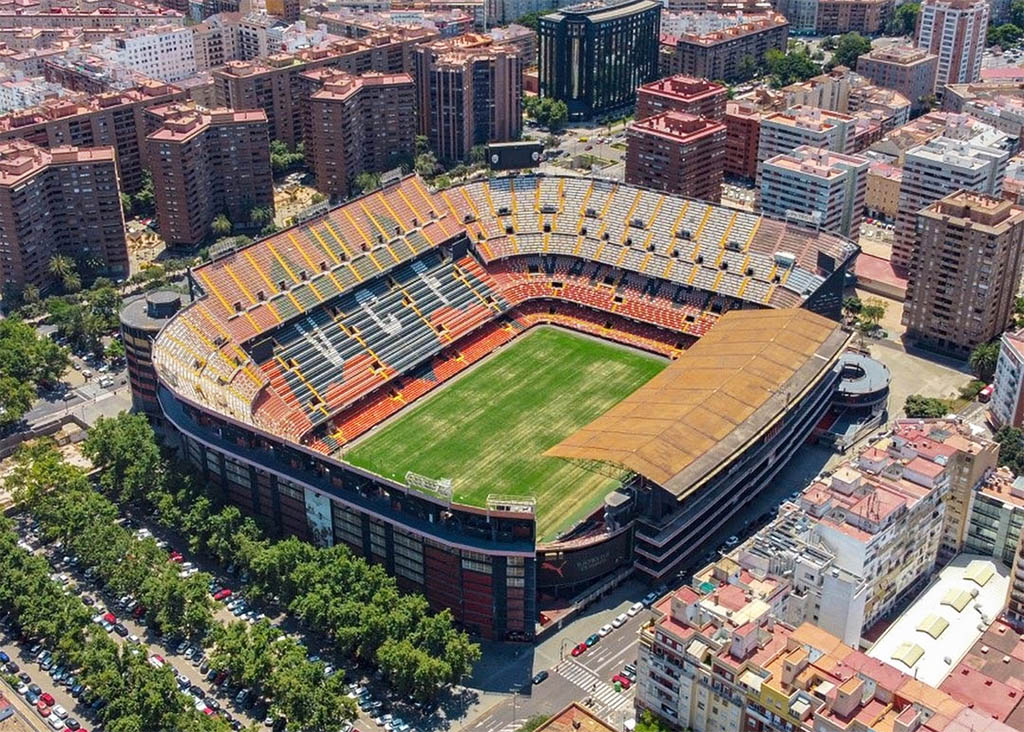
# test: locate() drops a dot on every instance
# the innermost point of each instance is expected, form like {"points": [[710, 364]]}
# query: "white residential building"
{"points": [[1007, 404], [159, 52], [816, 187]]}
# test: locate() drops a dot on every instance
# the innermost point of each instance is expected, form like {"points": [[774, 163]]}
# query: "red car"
{"points": [[46, 698], [579, 649], [110, 618], [138, 612], [223, 594], [177, 558], [44, 711], [623, 681]]}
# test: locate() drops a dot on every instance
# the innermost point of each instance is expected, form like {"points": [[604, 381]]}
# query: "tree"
{"points": [[852, 305], [478, 154], [849, 48], [921, 406], [1017, 13], [649, 723], [126, 205], [789, 68], [221, 225], [1011, 448], [904, 20], [532, 19], [260, 216], [283, 160], [367, 181], [548, 112], [16, 398], [64, 269], [1004, 36], [983, 360], [426, 164], [30, 294], [27, 356], [747, 68], [422, 144], [124, 448], [871, 313]]}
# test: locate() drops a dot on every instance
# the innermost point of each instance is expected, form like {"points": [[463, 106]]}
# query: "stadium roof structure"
{"points": [[212, 352], [693, 417]]}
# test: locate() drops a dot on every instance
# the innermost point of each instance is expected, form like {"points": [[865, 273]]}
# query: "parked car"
{"points": [[540, 677], [592, 639], [579, 649], [620, 620], [622, 680], [635, 608], [605, 630]]}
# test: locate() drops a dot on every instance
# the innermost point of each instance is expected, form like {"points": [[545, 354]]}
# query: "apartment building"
{"points": [[1006, 407], [955, 31], [215, 41], [997, 515], [816, 187], [716, 659], [469, 93], [743, 134], [276, 86], [841, 90], [63, 201], [882, 194], [159, 52], [935, 169], [908, 70], [860, 536], [679, 153], [357, 124], [684, 94], [964, 273], [852, 16], [709, 45], [782, 132], [1015, 596], [112, 119], [204, 165]]}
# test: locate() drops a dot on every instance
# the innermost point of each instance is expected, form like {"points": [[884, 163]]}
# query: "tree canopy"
{"points": [[550, 113], [903, 21], [849, 48], [922, 406], [983, 360], [787, 68]]}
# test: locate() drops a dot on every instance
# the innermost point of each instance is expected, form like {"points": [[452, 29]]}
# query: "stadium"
{"points": [[510, 392]]}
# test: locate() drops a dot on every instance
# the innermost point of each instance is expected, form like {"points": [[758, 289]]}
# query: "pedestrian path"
{"points": [[605, 696]]}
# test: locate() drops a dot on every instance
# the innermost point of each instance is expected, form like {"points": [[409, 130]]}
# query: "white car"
{"points": [[59, 712], [635, 608], [620, 620], [604, 630], [56, 723], [156, 661]]}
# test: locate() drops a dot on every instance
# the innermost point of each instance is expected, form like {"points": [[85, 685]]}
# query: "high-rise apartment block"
{"points": [[935, 169], [63, 201], [955, 31], [743, 133], [997, 516], [1007, 404], [681, 94], [111, 118], [358, 124], [276, 84], [679, 153], [964, 272], [1015, 596], [817, 188], [204, 165], [594, 55], [783, 132], [908, 70], [469, 94], [708, 45]]}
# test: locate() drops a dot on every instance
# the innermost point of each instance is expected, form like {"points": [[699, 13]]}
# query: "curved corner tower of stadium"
{"points": [[299, 343]]}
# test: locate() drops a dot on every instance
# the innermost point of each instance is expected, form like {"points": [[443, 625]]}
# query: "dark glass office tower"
{"points": [[594, 55]]}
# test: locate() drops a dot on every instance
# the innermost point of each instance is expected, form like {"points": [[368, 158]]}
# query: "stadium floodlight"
{"points": [[440, 487]]}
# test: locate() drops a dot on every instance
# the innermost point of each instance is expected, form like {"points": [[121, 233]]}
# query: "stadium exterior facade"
{"points": [[300, 342]]}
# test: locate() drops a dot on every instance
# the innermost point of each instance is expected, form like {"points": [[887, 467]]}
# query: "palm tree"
{"points": [[983, 360], [61, 266]]}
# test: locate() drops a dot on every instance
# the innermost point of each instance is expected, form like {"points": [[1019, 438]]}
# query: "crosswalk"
{"points": [[606, 698]]}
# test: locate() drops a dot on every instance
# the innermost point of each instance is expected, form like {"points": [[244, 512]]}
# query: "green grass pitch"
{"points": [[488, 430]]}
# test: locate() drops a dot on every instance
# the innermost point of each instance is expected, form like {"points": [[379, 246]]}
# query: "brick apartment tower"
{"points": [[62, 201], [679, 153], [467, 96], [964, 277], [357, 124], [955, 31], [910, 71], [681, 93], [207, 164]]}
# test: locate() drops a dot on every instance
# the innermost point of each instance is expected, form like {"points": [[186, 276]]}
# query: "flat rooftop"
{"points": [[934, 633]]}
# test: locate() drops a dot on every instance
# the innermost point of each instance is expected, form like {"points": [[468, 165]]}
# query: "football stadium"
{"points": [[512, 392]]}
